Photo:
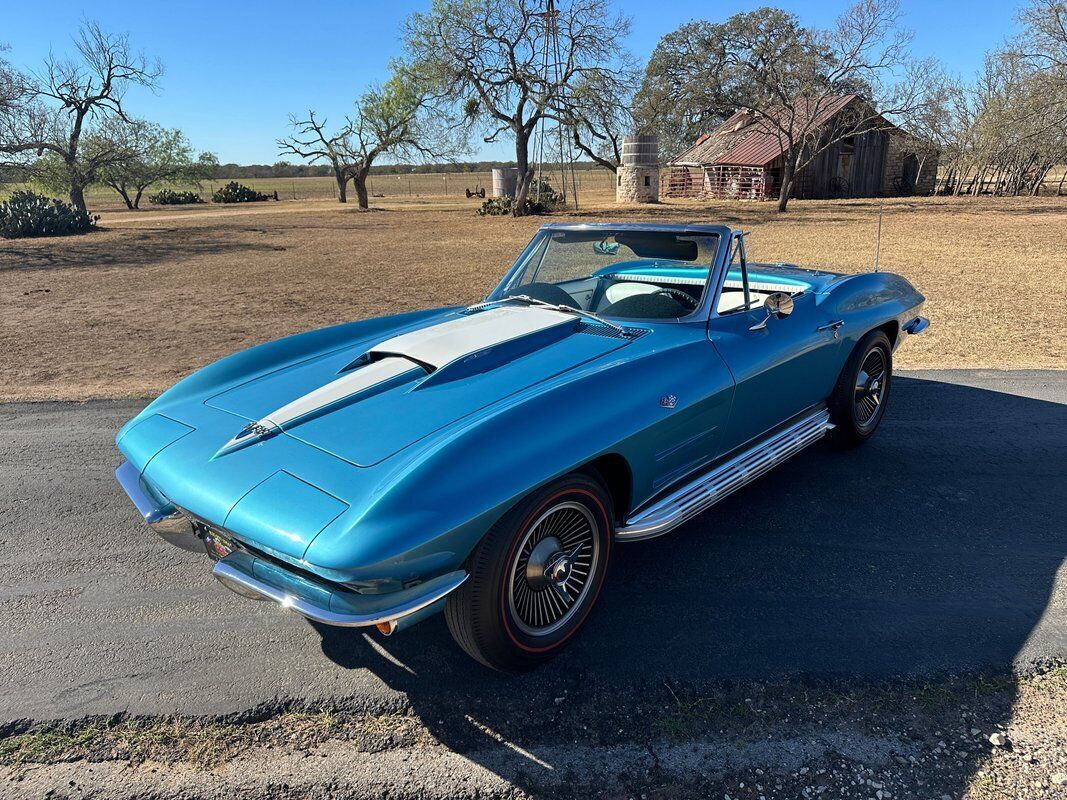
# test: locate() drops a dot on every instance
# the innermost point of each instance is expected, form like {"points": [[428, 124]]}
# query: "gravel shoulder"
{"points": [[976, 737]]}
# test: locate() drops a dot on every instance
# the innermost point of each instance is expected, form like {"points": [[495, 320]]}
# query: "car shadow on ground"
{"points": [[927, 552]]}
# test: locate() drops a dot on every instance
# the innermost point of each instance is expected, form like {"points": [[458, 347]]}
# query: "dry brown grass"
{"points": [[408, 186], [129, 310]]}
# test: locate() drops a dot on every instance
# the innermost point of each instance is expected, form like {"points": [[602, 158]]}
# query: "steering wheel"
{"points": [[678, 294]]}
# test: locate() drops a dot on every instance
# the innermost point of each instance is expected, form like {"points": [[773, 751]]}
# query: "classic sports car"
{"points": [[484, 460]]}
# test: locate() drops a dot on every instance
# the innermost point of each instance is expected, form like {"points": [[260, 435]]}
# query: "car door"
{"points": [[779, 369]]}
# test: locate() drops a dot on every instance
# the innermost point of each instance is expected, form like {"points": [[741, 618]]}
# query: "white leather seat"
{"points": [[730, 301]]}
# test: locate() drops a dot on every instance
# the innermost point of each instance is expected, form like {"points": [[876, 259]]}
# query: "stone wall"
{"points": [[637, 184], [899, 147]]}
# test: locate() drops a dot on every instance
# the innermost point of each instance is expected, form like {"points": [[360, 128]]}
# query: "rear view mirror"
{"points": [[606, 248]]}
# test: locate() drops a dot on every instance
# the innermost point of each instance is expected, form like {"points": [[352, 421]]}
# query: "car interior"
{"points": [[663, 279]]}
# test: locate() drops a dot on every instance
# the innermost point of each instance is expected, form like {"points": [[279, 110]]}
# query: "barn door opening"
{"points": [[846, 155], [910, 174]]}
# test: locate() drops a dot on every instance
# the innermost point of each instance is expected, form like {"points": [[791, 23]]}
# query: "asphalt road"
{"points": [[938, 547]]}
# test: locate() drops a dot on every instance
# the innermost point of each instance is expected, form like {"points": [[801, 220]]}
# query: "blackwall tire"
{"points": [[861, 395], [512, 613]]}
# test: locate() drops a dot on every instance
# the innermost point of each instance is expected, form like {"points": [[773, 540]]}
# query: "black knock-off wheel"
{"points": [[862, 391], [535, 576]]}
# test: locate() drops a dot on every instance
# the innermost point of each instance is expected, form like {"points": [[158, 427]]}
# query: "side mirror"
{"points": [[777, 305]]}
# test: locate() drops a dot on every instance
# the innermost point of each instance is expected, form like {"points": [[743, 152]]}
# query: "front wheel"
{"points": [[535, 576], [862, 392]]}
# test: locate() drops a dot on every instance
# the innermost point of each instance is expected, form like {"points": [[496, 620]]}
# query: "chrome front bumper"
{"points": [[163, 517], [260, 579]]}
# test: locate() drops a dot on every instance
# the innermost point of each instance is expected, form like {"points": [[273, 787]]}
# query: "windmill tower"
{"points": [[554, 138]]}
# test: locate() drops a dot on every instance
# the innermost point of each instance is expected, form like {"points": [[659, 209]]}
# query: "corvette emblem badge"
{"points": [[668, 401]]}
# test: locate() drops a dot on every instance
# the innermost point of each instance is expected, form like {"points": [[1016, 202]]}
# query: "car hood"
{"points": [[364, 405]]}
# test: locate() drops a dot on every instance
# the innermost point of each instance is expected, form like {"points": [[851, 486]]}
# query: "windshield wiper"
{"points": [[525, 298]]}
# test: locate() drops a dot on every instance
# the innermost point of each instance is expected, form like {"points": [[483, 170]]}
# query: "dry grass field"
{"points": [[409, 186], [158, 293]]}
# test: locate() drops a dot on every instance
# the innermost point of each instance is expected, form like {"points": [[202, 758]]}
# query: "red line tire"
{"points": [[500, 616]]}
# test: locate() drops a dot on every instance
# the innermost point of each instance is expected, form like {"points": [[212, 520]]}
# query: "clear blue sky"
{"points": [[235, 70]]}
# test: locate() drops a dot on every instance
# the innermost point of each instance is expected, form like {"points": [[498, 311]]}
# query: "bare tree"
{"points": [[488, 59], [12, 84], [14, 92], [390, 120], [1005, 130], [1044, 37], [64, 100], [789, 78], [598, 111], [312, 142]]}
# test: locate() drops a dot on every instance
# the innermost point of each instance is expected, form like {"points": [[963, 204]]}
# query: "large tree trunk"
{"points": [[359, 180], [137, 197], [342, 185], [522, 161], [787, 186], [77, 192]]}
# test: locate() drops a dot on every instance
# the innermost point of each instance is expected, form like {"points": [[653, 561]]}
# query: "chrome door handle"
{"points": [[832, 326]]}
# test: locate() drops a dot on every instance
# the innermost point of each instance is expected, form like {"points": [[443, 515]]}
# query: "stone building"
{"points": [[744, 157]]}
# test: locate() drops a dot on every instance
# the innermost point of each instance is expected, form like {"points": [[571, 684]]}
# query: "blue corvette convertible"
{"points": [[484, 461]]}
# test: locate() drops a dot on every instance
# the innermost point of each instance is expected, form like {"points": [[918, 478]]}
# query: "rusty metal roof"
{"points": [[756, 144]]}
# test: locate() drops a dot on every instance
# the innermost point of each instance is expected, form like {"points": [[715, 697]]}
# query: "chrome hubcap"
{"points": [[870, 387], [551, 572]]}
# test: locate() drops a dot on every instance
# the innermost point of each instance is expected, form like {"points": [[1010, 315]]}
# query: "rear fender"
{"points": [[868, 301]]}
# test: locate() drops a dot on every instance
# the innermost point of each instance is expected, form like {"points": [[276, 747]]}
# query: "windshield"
{"points": [[623, 274]]}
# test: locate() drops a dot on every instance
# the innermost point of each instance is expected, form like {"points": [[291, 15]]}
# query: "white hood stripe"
{"points": [[442, 344], [436, 346], [358, 380]]}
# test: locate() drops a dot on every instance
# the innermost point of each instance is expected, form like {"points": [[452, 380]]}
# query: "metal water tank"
{"points": [[640, 150], [505, 181]]}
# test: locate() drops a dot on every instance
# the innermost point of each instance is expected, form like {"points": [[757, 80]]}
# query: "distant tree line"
{"points": [[1003, 131], [285, 169]]}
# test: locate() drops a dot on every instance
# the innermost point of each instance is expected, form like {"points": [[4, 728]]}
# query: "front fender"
{"points": [[439, 506]]}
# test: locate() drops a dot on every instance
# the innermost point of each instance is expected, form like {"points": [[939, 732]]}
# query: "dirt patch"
{"points": [[979, 737], [157, 294]]}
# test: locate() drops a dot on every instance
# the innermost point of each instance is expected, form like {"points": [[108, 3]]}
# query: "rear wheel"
{"points": [[862, 392], [535, 576]]}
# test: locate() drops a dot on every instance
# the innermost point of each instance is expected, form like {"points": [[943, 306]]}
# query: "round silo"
{"points": [[638, 174]]}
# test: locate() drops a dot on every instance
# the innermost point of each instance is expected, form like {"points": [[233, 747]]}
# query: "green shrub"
{"points": [[169, 197], [234, 192], [29, 214], [549, 201]]}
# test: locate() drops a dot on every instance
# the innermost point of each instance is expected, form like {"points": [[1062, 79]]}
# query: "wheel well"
{"points": [[891, 330], [614, 470]]}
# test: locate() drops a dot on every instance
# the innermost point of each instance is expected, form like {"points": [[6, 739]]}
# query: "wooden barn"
{"points": [[743, 159]]}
